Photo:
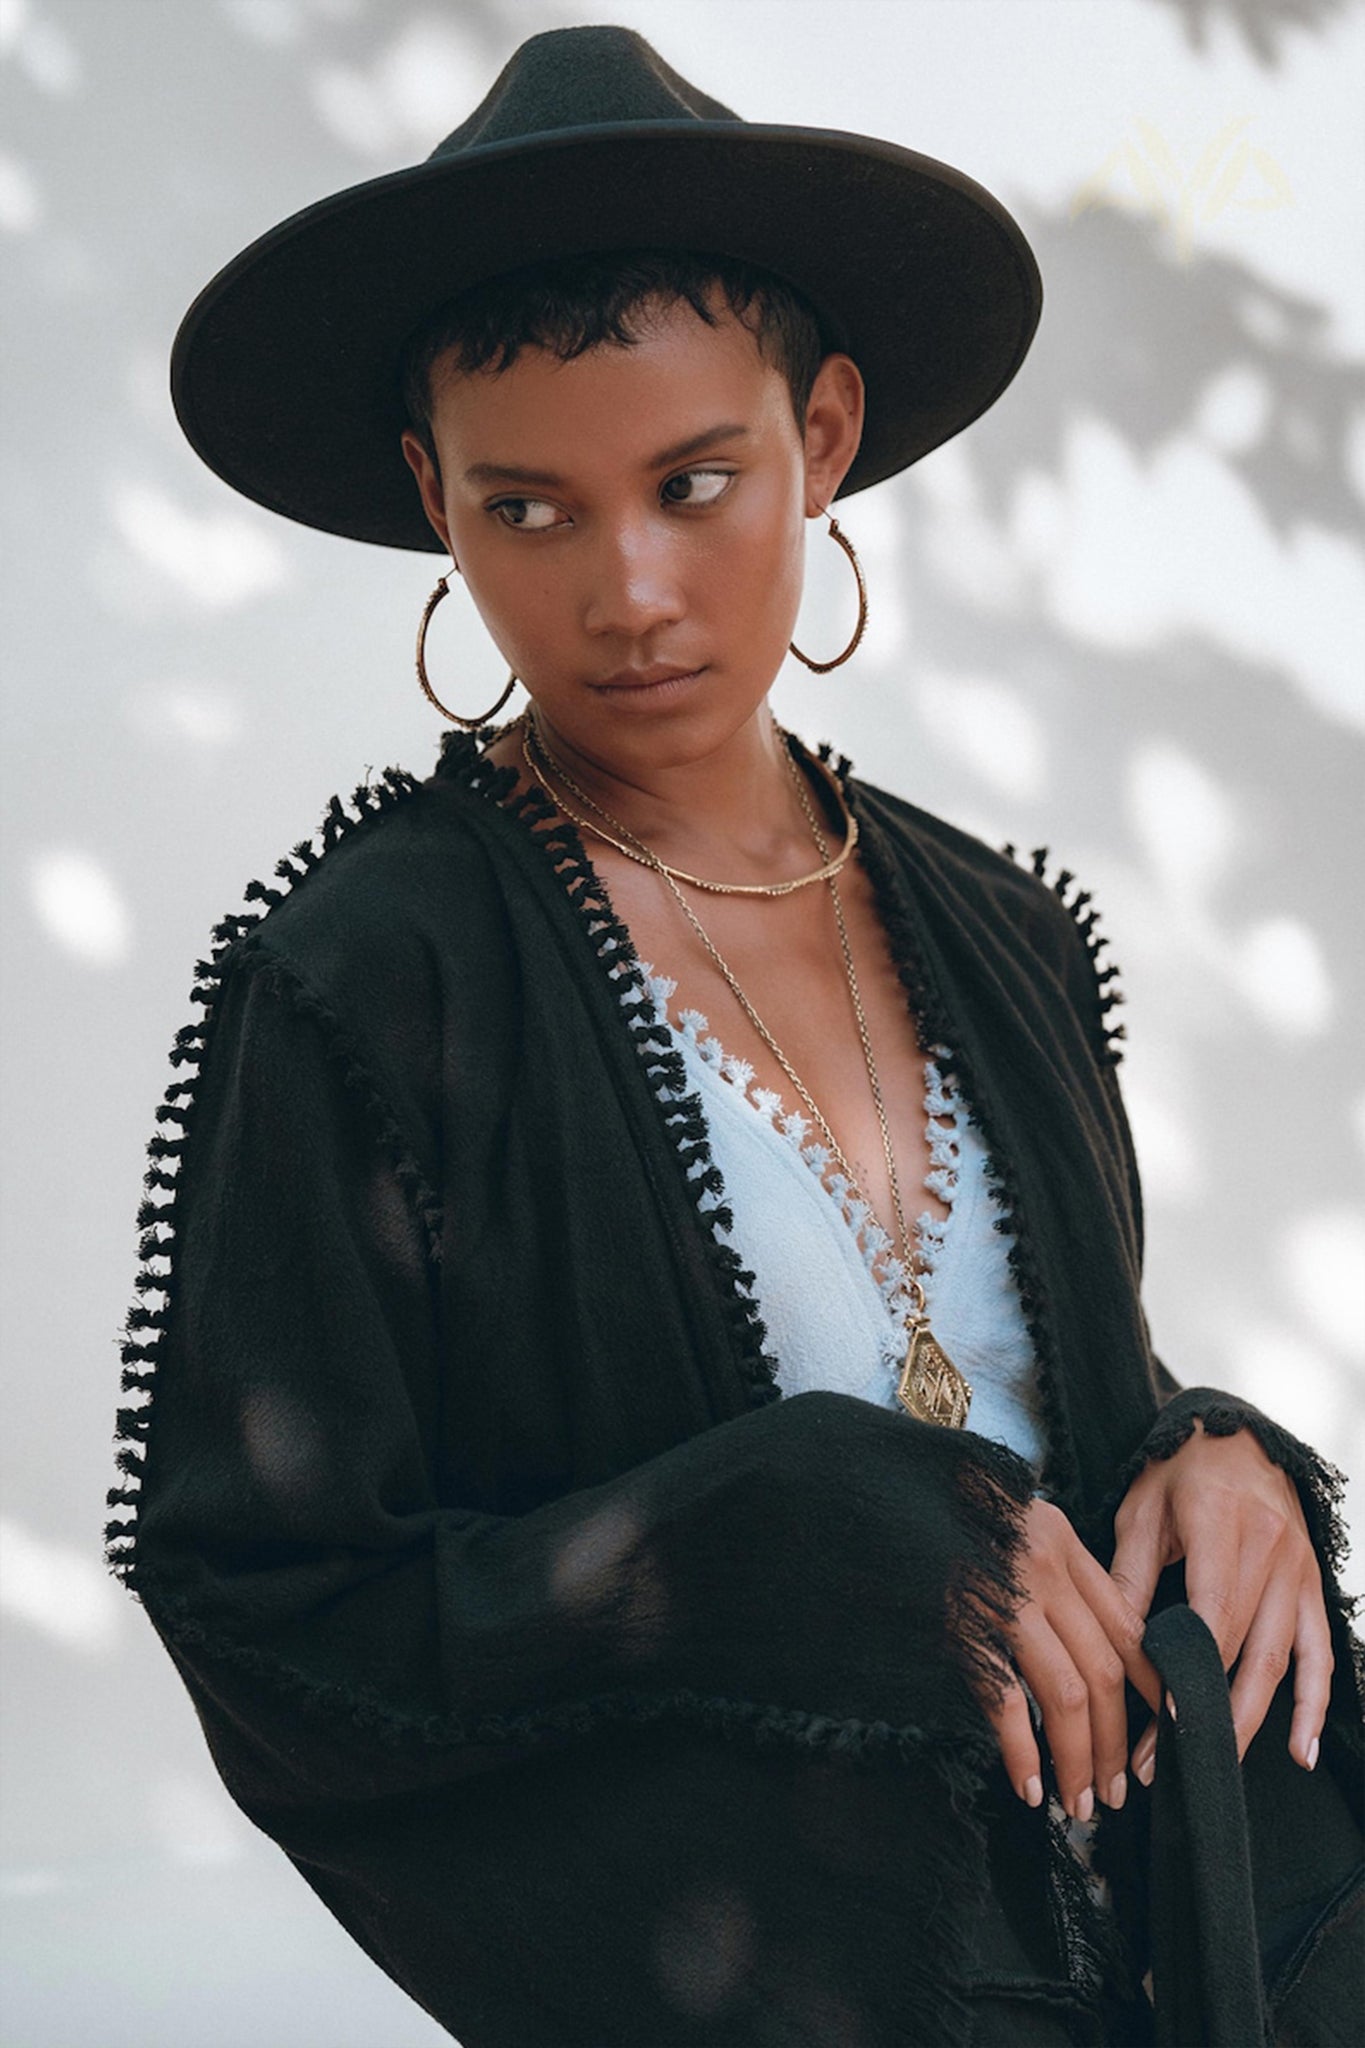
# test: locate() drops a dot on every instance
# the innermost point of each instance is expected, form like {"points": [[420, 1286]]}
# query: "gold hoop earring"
{"points": [[469, 724], [822, 668]]}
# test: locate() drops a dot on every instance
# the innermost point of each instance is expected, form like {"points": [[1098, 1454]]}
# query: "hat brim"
{"points": [[284, 370]]}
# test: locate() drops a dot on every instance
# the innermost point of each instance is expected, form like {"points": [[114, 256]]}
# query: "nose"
{"points": [[633, 583]]}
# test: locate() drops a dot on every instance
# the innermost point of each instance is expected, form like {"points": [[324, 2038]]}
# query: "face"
{"points": [[630, 525]]}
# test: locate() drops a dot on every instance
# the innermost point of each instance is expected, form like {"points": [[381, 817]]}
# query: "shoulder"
{"points": [[391, 881], [992, 880], [1029, 907], [947, 846], [372, 940]]}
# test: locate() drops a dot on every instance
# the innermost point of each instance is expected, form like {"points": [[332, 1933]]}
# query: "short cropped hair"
{"points": [[575, 303]]}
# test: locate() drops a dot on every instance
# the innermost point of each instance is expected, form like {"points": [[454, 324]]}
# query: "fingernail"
{"points": [[1170, 1706], [1146, 1770], [1313, 1754], [1085, 1805], [1118, 1790], [1033, 1791]]}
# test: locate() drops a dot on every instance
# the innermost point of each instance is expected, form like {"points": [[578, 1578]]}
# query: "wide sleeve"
{"points": [[816, 1571]]}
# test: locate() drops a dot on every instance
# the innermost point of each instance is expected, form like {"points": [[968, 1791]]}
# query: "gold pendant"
{"points": [[931, 1388]]}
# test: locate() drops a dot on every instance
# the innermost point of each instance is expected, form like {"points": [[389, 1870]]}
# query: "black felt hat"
{"points": [[285, 369]]}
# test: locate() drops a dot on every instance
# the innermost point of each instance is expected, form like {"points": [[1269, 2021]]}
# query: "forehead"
{"points": [[612, 404]]}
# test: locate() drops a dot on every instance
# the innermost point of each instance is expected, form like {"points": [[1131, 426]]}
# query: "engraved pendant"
{"points": [[931, 1388]]}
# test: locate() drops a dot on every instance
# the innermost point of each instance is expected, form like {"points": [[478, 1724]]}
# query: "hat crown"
{"points": [[284, 371], [579, 78]]}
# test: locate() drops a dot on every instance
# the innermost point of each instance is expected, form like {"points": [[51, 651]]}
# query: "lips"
{"points": [[646, 678]]}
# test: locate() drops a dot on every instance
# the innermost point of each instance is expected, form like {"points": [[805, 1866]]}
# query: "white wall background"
{"points": [[1124, 616]]}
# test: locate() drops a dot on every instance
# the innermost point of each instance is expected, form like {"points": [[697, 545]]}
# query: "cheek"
{"points": [[523, 606], [763, 567]]}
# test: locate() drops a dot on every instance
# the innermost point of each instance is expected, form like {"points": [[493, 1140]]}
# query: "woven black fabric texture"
{"points": [[603, 1694]]}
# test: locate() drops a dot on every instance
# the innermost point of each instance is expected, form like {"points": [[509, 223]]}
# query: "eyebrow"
{"points": [[509, 473]]}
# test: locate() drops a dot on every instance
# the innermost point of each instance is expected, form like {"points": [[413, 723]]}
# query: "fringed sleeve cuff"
{"points": [[1320, 1487]]}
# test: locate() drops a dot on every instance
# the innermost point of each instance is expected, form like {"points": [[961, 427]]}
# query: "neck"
{"points": [[732, 811]]}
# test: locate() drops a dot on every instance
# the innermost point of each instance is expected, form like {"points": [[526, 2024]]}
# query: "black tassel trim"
{"points": [[961, 1762], [936, 1027], [1107, 1037], [681, 1115], [422, 1197], [139, 1353]]}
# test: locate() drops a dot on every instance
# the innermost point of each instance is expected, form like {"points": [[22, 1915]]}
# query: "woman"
{"points": [[647, 1575]]}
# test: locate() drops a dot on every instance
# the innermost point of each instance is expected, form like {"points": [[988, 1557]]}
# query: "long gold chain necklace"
{"points": [[930, 1387]]}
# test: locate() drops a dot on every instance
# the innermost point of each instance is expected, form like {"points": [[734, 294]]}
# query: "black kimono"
{"points": [[605, 1696]]}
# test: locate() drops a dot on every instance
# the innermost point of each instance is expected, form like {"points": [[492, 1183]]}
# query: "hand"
{"points": [[1250, 1573], [1074, 1640]]}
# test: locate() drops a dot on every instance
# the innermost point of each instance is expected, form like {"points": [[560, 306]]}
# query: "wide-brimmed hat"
{"points": [[285, 376]]}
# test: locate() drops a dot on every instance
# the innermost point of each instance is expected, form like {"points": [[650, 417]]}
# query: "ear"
{"points": [[423, 467], [834, 429]]}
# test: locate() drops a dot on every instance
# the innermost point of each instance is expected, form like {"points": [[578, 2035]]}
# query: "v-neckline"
{"points": [[563, 868], [794, 1128]]}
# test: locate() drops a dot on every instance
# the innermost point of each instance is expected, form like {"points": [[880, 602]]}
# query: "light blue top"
{"points": [[828, 1285]]}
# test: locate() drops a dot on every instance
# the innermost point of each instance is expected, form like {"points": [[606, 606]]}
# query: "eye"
{"points": [[697, 486], [527, 515]]}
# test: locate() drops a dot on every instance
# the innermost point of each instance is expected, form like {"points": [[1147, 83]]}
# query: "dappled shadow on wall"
{"points": [[1138, 606], [1264, 25]]}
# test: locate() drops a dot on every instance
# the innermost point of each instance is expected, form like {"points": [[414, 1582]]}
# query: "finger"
{"points": [[1227, 1560], [1264, 1660], [1144, 1749], [1104, 1637], [1013, 1725], [1123, 1622], [1064, 1702], [1143, 1760], [1140, 1556], [1313, 1667], [1080, 1631]]}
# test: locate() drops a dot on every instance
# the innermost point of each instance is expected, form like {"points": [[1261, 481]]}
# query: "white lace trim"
{"points": [[942, 1106]]}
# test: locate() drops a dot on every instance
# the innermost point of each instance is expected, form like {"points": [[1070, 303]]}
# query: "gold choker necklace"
{"points": [[635, 851], [930, 1387]]}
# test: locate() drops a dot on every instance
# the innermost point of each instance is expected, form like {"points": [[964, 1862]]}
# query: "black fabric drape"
{"points": [[602, 1694]]}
